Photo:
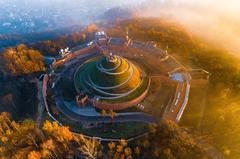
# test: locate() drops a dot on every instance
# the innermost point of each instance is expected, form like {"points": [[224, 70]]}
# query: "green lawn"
{"points": [[118, 130], [105, 80], [129, 109], [132, 95], [114, 130]]}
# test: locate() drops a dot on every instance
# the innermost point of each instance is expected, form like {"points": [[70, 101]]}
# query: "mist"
{"points": [[31, 16], [217, 21]]}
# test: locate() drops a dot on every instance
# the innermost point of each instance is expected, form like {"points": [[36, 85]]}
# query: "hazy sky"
{"points": [[27, 16], [215, 20]]}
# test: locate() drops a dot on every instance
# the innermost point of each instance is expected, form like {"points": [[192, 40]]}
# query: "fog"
{"points": [[27, 16], [217, 21]]}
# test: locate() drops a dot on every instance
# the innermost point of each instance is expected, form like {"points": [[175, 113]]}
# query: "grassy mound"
{"points": [[111, 81]]}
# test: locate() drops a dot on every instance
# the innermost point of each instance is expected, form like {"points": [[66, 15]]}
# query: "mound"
{"points": [[110, 79]]}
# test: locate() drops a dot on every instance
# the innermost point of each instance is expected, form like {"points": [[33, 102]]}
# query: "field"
{"points": [[118, 130], [159, 96], [111, 130]]}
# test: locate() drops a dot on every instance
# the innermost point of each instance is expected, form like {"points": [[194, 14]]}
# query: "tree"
{"points": [[22, 60], [34, 155], [112, 114], [26, 140], [103, 114], [89, 147], [119, 150], [166, 140], [49, 149]]}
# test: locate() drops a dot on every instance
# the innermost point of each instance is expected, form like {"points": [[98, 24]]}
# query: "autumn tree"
{"points": [[167, 140], [103, 114], [26, 140], [119, 150], [89, 148], [22, 60], [112, 114]]}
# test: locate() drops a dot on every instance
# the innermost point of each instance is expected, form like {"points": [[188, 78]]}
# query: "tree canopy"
{"points": [[22, 60], [25, 140]]}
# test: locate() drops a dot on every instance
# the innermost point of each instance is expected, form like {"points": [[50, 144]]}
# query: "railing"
{"points": [[185, 98]]}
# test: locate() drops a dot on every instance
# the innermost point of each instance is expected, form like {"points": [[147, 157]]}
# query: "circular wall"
{"points": [[111, 81]]}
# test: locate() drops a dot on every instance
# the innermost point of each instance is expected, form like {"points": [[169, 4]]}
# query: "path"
{"points": [[40, 103]]}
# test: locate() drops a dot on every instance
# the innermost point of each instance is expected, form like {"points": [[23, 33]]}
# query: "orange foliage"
{"points": [[22, 60]]}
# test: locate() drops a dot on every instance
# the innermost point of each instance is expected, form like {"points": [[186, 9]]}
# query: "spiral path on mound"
{"points": [[108, 77]]}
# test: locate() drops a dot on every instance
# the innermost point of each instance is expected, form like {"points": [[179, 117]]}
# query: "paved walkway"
{"points": [[86, 110], [134, 117], [40, 104]]}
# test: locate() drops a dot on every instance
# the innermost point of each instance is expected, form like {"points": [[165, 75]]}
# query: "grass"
{"points": [[67, 89], [59, 69], [106, 80], [159, 95], [193, 113], [98, 77], [118, 130], [111, 130], [129, 109], [132, 95]]}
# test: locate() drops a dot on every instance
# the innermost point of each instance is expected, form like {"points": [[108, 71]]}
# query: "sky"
{"points": [[217, 21]]}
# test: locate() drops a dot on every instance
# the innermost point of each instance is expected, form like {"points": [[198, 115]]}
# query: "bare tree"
{"points": [[89, 148]]}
